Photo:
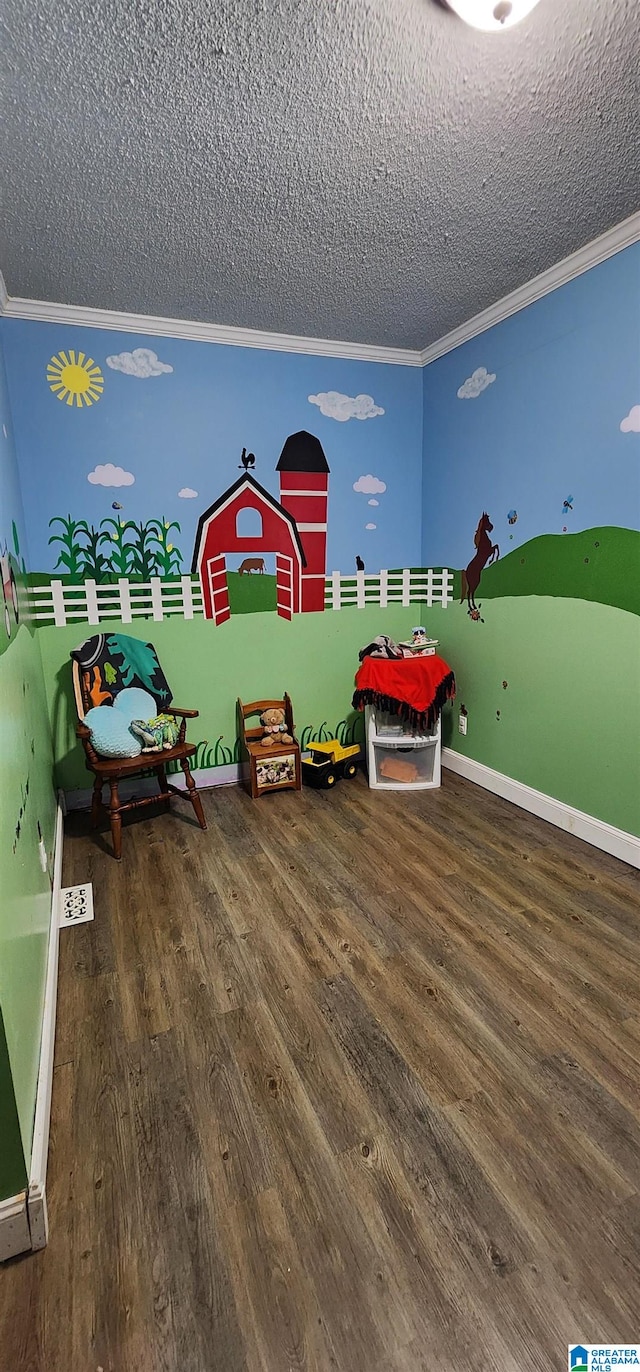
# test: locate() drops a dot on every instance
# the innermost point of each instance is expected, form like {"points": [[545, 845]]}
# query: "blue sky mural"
{"points": [[170, 416], [535, 419], [9, 490]]}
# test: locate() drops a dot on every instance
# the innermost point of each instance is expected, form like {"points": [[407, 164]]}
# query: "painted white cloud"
{"points": [[142, 362], [373, 502], [370, 526], [342, 407], [110, 476], [369, 485], [187, 493], [631, 423], [476, 384]]}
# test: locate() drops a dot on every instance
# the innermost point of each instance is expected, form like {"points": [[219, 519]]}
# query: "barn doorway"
{"points": [[253, 589]]}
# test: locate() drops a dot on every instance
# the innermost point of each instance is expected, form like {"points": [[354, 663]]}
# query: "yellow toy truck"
{"points": [[324, 763]]}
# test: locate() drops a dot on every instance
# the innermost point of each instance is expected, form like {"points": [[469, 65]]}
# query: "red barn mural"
{"points": [[294, 528]]}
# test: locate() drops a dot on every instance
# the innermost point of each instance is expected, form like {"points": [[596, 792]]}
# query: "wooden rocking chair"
{"points": [[114, 770], [276, 768]]}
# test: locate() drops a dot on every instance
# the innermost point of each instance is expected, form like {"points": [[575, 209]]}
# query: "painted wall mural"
{"points": [[293, 529], [75, 378], [486, 553], [142, 516], [549, 451], [208, 484], [173, 417], [9, 573]]}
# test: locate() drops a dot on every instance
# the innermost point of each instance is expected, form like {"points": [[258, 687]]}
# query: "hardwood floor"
{"points": [[349, 1083]]}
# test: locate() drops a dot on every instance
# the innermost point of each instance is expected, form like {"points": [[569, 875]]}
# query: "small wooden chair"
{"points": [[114, 770], [276, 768]]}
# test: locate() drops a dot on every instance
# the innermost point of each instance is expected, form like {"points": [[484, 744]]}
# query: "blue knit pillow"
{"points": [[134, 703], [110, 733]]}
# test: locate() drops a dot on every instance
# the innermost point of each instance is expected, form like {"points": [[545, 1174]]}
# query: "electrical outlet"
{"points": [[462, 724]]}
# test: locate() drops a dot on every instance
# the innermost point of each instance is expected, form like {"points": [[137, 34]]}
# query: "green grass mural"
{"points": [[597, 564], [251, 594]]}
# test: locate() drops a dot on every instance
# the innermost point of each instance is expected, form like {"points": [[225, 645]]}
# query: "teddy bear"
{"points": [[275, 729]]}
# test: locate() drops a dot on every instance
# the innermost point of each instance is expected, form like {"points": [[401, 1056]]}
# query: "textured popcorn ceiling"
{"points": [[370, 170]]}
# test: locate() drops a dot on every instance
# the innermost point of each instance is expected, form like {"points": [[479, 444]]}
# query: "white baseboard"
{"points": [[14, 1227], [37, 1199], [594, 831], [204, 777]]}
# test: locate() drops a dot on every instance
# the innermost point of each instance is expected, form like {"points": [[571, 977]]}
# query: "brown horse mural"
{"points": [[486, 552]]}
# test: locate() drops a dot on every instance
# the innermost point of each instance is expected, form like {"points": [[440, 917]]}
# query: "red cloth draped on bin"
{"points": [[415, 688]]}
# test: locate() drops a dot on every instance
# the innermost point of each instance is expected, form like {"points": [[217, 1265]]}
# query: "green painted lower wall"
{"points": [[314, 658], [13, 1172], [27, 800], [569, 717], [568, 720]]}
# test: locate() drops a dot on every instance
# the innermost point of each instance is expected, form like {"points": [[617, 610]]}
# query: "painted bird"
{"points": [[247, 460], [116, 505]]}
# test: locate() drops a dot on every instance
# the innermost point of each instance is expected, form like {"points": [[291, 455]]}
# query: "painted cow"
{"points": [[251, 564]]}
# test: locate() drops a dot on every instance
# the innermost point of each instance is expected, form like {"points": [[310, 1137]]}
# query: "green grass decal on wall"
{"points": [[221, 754]]}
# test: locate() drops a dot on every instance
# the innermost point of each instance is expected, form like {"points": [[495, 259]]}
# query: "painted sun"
{"points": [[75, 378]]}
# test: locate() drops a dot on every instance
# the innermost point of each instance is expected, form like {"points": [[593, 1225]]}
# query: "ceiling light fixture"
{"points": [[492, 15]]}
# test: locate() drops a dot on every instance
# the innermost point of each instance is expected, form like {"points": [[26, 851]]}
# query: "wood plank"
{"points": [[589, 1107], [552, 1176], [433, 1155], [452, 1301], [192, 1309], [282, 1320], [356, 1284]]}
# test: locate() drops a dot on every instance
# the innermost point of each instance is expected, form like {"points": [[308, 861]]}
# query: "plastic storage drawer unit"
{"points": [[398, 759]]}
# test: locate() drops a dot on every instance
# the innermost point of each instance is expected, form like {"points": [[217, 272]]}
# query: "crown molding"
{"points": [[83, 316], [607, 245]]}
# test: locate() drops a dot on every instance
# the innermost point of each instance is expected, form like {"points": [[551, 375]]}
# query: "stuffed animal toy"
{"points": [[156, 734], [275, 729]]}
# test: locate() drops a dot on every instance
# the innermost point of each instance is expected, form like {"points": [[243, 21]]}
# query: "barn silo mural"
{"points": [[292, 529]]}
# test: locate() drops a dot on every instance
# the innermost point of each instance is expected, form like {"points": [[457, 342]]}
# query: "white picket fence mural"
{"points": [[124, 600], [425, 585]]}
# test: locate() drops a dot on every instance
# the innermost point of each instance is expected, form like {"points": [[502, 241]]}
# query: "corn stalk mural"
{"points": [[70, 554], [94, 563], [168, 558], [140, 548], [117, 548], [120, 560]]}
